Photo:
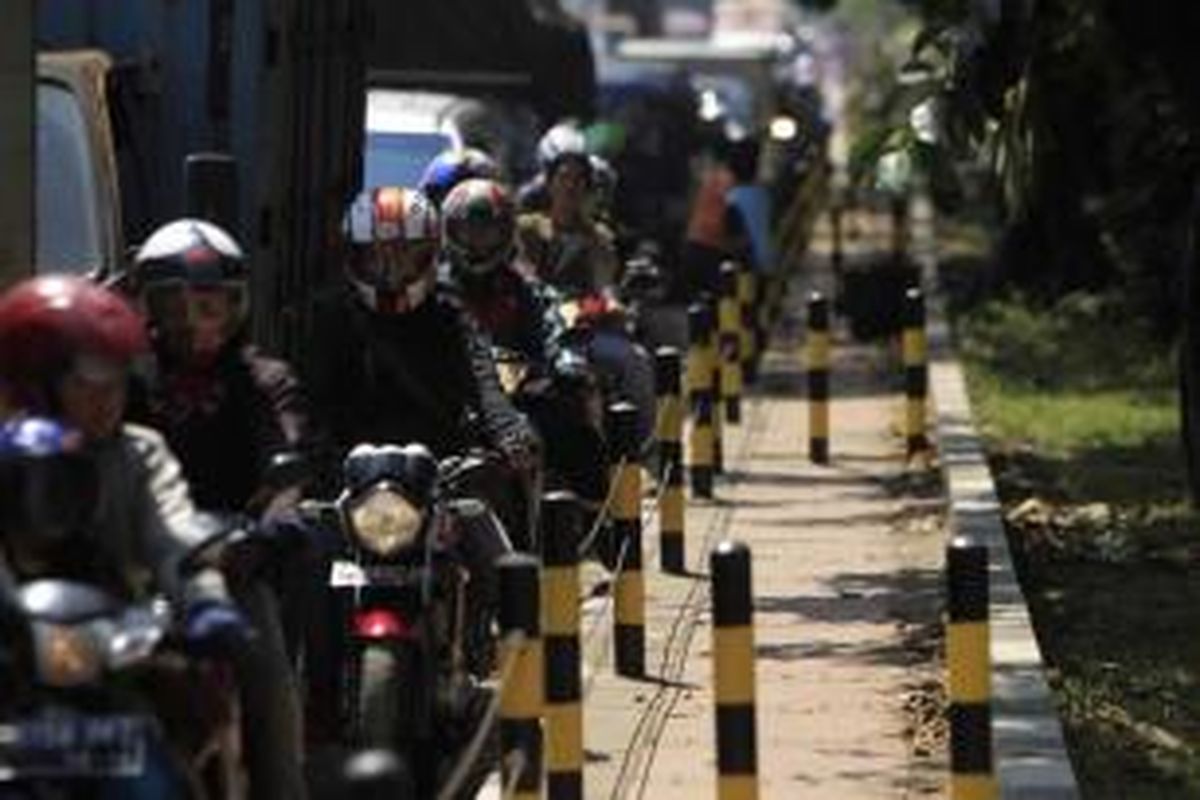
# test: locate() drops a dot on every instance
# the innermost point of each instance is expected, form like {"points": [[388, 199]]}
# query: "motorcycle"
{"points": [[103, 700], [411, 587], [600, 330], [567, 409]]}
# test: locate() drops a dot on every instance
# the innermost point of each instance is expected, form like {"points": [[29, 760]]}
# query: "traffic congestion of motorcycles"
{"points": [[226, 575]]}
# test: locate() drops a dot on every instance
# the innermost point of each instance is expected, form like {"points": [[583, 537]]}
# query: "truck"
{"points": [[279, 85], [125, 96]]}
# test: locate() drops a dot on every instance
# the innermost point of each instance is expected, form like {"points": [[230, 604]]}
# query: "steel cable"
{"points": [[462, 770]]}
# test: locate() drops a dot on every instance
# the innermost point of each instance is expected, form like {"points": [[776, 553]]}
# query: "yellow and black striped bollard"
{"points": [[729, 326], [629, 621], [916, 373], [667, 369], [521, 693], [968, 657], [700, 398], [817, 363], [747, 299], [733, 671], [561, 528]]}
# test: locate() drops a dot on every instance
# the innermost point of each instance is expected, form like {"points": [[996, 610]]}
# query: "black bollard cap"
{"points": [[212, 188], [966, 580], [700, 323], [818, 312], [520, 600], [729, 565], [914, 308], [729, 278], [561, 520], [668, 370], [621, 427]]}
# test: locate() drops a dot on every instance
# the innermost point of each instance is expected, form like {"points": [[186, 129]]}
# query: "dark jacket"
{"points": [[226, 423], [424, 376], [516, 312]]}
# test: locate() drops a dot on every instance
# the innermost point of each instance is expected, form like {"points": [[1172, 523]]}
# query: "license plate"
{"points": [[73, 746], [347, 574]]}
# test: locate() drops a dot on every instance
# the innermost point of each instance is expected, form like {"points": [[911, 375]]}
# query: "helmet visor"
{"points": [[198, 319], [393, 266], [480, 246]]}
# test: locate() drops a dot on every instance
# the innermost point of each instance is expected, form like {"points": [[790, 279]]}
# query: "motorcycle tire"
{"points": [[384, 703]]}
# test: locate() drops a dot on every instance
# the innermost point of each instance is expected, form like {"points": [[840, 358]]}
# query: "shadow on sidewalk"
{"points": [[910, 599]]}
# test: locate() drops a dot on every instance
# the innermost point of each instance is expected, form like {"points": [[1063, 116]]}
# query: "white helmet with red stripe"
{"points": [[394, 236]]}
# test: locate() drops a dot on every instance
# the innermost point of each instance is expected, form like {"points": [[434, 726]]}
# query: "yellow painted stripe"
{"points": [[731, 379], [818, 419], [915, 349], [627, 498], [816, 353], [699, 369], [729, 315], [733, 665], [560, 600], [914, 416], [748, 342], [700, 446], [973, 787], [670, 419], [967, 658], [630, 598], [672, 509], [564, 737], [745, 288], [737, 787], [521, 695]]}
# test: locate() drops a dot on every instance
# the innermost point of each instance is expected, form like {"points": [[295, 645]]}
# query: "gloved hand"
{"points": [[215, 628]]}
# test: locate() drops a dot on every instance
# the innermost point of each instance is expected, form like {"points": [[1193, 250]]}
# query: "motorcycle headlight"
{"points": [[384, 521], [67, 656]]}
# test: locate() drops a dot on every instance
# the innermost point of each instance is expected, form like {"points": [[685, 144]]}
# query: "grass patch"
{"points": [[1081, 417]]}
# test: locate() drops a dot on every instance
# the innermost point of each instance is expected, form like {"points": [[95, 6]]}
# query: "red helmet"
{"points": [[46, 323]]}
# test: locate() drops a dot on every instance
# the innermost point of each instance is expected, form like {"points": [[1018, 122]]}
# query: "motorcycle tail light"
{"points": [[67, 656], [384, 521], [381, 624]]}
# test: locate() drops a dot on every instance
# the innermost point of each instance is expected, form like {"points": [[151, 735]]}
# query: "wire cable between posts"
{"points": [[602, 515], [517, 765], [471, 754]]}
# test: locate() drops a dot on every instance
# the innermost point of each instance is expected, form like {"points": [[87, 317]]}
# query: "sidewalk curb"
{"points": [[1030, 756]]}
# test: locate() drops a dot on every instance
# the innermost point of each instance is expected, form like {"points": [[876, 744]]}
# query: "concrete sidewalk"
{"points": [[840, 594]]}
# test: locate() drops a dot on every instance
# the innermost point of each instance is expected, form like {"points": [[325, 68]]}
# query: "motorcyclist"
{"points": [[516, 310], [567, 247], [210, 392], [520, 315], [66, 346], [228, 412], [398, 361], [453, 166]]}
